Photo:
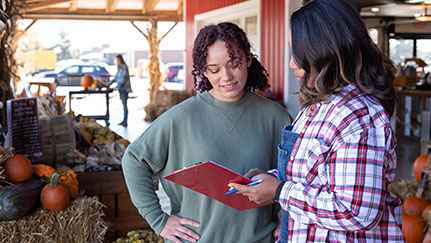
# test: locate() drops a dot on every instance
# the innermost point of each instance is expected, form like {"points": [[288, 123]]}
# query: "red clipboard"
{"points": [[211, 179]]}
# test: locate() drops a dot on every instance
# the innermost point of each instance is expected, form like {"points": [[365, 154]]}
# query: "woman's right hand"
{"points": [[175, 228]]}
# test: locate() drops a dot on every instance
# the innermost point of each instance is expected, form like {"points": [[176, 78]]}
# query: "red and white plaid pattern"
{"points": [[339, 171]]}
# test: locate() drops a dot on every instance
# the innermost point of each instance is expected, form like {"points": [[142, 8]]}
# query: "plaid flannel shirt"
{"points": [[338, 173]]}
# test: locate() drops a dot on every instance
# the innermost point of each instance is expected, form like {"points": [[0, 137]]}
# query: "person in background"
{"points": [[226, 122], [122, 78], [337, 159]]}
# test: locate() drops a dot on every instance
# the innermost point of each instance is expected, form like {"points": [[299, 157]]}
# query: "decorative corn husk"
{"points": [[154, 73], [10, 12]]}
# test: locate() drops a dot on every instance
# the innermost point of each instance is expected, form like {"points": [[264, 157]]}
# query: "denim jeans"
{"points": [[124, 96], [288, 139]]}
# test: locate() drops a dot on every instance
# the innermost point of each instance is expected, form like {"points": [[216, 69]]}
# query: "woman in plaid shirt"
{"points": [[337, 159]]}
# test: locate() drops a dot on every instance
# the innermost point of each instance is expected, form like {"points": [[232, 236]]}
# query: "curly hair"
{"points": [[331, 37], [235, 39]]}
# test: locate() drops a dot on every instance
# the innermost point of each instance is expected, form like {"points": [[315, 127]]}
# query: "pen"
{"points": [[253, 183]]}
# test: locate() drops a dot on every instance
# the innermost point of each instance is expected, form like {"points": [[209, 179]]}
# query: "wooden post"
{"points": [[154, 72]]}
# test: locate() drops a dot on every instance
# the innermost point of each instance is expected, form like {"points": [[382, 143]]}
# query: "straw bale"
{"points": [[408, 188], [80, 222]]}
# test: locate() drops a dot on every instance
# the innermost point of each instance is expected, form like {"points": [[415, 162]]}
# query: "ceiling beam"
{"points": [[73, 6], [149, 5], [111, 5], [180, 7], [38, 5], [102, 15]]}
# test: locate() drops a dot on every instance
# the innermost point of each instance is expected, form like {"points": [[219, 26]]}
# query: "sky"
{"points": [[120, 35]]}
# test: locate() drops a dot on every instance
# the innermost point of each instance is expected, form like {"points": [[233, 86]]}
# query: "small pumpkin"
{"points": [[86, 81], [16, 200], [413, 228], [414, 205], [18, 169], [419, 165], [54, 196]]}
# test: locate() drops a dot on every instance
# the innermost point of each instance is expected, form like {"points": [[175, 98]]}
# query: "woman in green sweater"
{"points": [[226, 122]]}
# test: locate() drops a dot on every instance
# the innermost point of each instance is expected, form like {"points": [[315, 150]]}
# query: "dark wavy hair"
{"points": [[235, 39], [331, 37]]}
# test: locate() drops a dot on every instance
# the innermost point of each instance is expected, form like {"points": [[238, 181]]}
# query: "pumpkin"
{"points": [[414, 205], [54, 196], [86, 81], [18, 169], [68, 179], [419, 165], [413, 228], [16, 200]]}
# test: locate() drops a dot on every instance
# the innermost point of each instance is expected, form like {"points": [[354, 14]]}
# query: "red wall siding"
{"points": [[273, 42], [272, 30]]}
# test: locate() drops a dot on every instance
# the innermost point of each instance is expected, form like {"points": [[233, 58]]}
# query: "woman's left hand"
{"points": [[262, 193]]}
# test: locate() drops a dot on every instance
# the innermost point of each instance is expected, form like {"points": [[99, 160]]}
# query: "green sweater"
{"points": [[240, 135]]}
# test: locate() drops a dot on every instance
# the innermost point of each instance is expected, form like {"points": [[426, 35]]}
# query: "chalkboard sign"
{"points": [[23, 128]]}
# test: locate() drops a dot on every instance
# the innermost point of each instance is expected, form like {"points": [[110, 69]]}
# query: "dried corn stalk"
{"points": [[154, 73], [142, 236], [50, 106], [10, 12]]}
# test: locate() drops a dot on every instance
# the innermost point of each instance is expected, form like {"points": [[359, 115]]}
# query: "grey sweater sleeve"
{"points": [[138, 176]]}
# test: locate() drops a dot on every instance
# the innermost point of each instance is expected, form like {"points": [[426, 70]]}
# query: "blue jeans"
{"points": [[288, 139], [124, 96]]}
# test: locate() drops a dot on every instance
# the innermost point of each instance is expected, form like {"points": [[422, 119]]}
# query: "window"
{"points": [[73, 69], [424, 52], [87, 69], [400, 49], [245, 14]]}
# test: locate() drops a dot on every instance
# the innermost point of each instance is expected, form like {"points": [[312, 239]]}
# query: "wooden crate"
{"points": [[58, 138], [121, 214]]}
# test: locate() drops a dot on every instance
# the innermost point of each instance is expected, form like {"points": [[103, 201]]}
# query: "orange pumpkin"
{"points": [[54, 196], [419, 165], [86, 81], [414, 205], [413, 228], [18, 169]]}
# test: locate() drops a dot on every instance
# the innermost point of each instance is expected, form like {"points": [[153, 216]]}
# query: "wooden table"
{"points": [[89, 92], [46, 82], [404, 107]]}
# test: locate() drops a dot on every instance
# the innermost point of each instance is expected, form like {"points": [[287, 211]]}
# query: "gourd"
{"points": [[18, 169], [86, 81], [43, 171], [419, 165], [54, 196], [16, 200]]}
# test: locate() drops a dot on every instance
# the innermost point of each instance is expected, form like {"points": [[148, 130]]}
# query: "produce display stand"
{"points": [[120, 213], [89, 92]]}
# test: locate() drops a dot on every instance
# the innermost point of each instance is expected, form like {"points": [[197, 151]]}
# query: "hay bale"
{"points": [[408, 188], [163, 101], [81, 221]]}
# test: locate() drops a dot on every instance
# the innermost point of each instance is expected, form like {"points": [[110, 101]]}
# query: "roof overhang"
{"points": [[129, 10]]}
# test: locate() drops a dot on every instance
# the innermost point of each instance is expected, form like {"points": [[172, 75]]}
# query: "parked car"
{"points": [[171, 71], [71, 76]]}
